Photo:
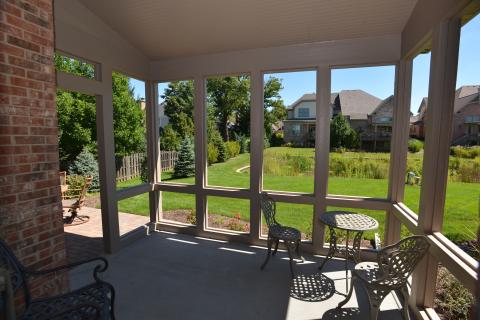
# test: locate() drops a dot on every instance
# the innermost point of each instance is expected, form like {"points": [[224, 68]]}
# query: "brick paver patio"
{"points": [[84, 241]]}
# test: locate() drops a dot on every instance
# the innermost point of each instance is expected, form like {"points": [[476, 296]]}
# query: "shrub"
{"points": [[185, 166], [301, 165], [266, 142], [359, 167], [222, 152], [192, 217], [276, 140], [453, 301], [169, 139], [85, 164], [465, 170], [465, 152], [242, 141], [144, 170], [233, 148], [212, 154], [415, 145], [236, 224], [75, 181]]}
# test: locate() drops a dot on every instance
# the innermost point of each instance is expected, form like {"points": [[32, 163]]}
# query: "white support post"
{"points": [[439, 117], [106, 161], [200, 115], [153, 150], [398, 146], [322, 148], [256, 152]]}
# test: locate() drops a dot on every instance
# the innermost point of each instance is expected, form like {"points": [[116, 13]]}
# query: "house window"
{"points": [[303, 112], [295, 129], [385, 119], [473, 118]]}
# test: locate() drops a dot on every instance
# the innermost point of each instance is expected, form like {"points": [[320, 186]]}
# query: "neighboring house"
{"points": [[355, 105], [466, 118], [417, 123], [379, 130], [162, 118], [299, 127]]}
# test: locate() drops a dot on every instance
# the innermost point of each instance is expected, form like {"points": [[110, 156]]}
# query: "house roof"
{"points": [[463, 96], [422, 107], [414, 119], [305, 97], [357, 104], [385, 102]]}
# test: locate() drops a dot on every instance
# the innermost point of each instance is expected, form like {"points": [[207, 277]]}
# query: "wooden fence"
{"points": [[130, 166]]}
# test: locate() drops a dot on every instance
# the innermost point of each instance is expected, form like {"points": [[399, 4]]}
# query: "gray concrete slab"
{"points": [[172, 276]]}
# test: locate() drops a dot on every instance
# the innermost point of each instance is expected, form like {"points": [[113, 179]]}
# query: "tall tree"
{"points": [[77, 115], [274, 108], [228, 105], [128, 118], [228, 95], [179, 107]]}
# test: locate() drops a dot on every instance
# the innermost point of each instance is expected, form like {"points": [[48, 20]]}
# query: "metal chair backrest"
{"points": [[9, 262], [268, 208], [398, 261]]}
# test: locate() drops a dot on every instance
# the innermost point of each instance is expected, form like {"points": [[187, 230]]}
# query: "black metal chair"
{"points": [[395, 263], [93, 301], [276, 232]]}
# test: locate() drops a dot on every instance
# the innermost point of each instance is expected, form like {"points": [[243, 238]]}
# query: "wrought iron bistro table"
{"points": [[349, 222]]}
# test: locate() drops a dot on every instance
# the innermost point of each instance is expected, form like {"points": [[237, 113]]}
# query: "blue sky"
{"points": [[378, 81]]}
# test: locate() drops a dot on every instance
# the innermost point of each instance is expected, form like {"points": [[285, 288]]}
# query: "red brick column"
{"points": [[30, 204]]}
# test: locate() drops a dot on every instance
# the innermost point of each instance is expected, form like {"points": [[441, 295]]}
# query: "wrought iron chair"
{"points": [[276, 232], [394, 265], [93, 301], [74, 202]]}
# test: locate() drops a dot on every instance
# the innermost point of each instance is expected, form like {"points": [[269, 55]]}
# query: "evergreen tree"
{"points": [[185, 166], [86, 165], [222, 152], [341, 134]]}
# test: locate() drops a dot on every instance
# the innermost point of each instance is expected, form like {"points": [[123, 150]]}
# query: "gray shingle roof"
{"points": [[463, 96], [357, 104], [305, 97]]}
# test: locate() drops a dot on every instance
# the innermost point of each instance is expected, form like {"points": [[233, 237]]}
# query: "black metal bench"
{"points": [[93, 301]]}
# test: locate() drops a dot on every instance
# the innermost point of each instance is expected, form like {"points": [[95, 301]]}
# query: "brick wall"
{"points": [[30, 205]]}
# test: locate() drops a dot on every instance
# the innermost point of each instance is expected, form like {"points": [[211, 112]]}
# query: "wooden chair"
{"points": [[92, 301], [394, 265], [63, 182], [276, 232], [74, 202]]}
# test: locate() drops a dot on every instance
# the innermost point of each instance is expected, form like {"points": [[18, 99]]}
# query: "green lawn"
{"points": [[461, 212]]}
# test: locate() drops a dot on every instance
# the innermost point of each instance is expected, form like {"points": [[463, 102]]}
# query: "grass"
{"points": [[461, 209]]}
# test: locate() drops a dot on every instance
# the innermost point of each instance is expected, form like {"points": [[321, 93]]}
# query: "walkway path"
{"points": [[84, 241]]}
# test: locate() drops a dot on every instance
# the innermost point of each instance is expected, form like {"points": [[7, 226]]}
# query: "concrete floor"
{"points": [[173, 276]]}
